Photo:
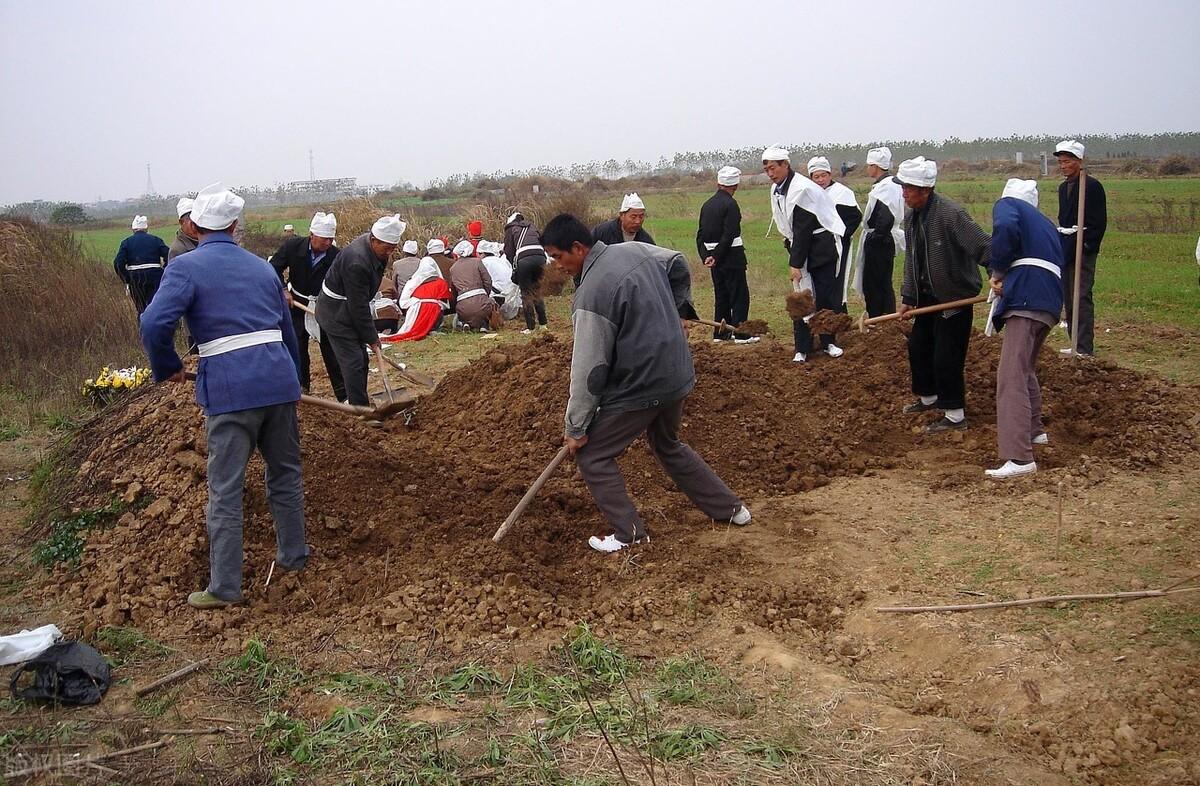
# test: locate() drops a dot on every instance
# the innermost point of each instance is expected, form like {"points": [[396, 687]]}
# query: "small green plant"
{"points": [[9, 430], [690, 680], [685, 742], [470, 679], [155, 707], [66, 540], [284, 734], [594, 658], [123, 645], [769, 754], [272, 676]]}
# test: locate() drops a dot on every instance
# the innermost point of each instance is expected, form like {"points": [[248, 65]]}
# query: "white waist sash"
{"points": [[737, 241], [146, 266], [517, 253], [219, 346], [472, 293], [1043, 264], [307, 298], [331, 293]]}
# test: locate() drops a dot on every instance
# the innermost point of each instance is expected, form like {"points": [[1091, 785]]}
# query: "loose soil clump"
{"points": [[800, 304], [753, 327], [826, 321]]}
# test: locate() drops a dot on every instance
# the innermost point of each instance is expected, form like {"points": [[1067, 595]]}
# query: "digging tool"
{"points": [[387, 386], [372, 413], [1081, 186], [864, 323], [529, 495], [415, 377], [723, 325]]}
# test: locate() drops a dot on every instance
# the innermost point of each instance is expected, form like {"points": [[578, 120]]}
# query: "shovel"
{"points": [[415, 377], [530, 494], [864, 323], [372, 413], [723, 325]]}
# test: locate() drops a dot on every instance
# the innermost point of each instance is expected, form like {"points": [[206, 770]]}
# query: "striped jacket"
{"points": [[954, 248]]}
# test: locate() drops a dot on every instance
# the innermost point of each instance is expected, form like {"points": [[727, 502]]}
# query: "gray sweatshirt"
{"points": [[630, 350]]}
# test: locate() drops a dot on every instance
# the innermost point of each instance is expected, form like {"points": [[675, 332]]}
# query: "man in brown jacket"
{"points": [[472, 287]]}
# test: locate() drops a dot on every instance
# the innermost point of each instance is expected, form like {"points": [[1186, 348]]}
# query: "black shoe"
{"points": [[945, 424], [918, 406]]}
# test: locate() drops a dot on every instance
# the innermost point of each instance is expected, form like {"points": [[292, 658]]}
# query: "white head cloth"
{"points": [[435, 246], [488, 247], [388, 229], [1071, 146], [183, 206], [411, 247], [463, 248], [917, 172], [776, 153], [1021, 189], [729, 176], [216, 207], [322, 225], [880, 157], [289, 228], [516, 214], [139, 222], [818, 164], [632, 202]]}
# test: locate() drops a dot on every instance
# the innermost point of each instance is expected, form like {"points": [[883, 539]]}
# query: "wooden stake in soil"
{"points": [[1082, 187], [172, 677], [1058, 531], [270, 573]]}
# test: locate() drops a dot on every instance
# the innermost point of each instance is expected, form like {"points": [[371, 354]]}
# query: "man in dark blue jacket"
{"points": [[1095, 221], [1025, 266], [139, 263], [246, 383], [627, 226]]}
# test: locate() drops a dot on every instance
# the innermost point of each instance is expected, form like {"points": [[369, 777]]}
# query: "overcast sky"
{"points": [[388, 91]]}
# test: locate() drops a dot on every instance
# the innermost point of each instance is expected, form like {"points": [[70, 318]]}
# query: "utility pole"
{"points": [[312, 172], [149, 183]]}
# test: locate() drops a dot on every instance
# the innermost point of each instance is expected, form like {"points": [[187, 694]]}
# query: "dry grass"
{"points": [[65, 316]]}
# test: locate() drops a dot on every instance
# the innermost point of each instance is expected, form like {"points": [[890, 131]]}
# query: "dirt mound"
{"points": [[400, 518]]}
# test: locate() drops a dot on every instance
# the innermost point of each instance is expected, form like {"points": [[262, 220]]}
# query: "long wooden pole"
{"points": [[1004, 604], [1081, 185], [864, 323], [530, 494]]}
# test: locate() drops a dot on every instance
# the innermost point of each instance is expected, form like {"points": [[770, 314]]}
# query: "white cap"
{"points": [[322, 225], [632, 202], [1071, 146], [1021, 189], [880, 157], [729, 176], [917, 172], [488, 247], [183, 206], [289, 228], [411, 247], [516, 214], [776, 153], [464, 249], [818, 164], [216, 208], [435, 246], [388, 229], [139, 222]]}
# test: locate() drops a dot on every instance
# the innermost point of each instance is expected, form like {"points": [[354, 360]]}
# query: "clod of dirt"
{"points": [[826, 321], [754, 327], [800, 304]]}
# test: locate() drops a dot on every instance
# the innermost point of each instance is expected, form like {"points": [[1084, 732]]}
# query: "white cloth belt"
{"points": [[146, 266], [307, 298], [819, 230], [517, 253], [472, 293], [737, 241], [1034, 262], [331, 293], [219, 346]]}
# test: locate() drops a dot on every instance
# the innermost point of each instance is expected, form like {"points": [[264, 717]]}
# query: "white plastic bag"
{"points": [[20, 647]]}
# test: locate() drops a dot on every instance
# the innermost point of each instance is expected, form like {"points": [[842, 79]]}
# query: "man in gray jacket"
{"points": [[631, 369], [944, 250]]}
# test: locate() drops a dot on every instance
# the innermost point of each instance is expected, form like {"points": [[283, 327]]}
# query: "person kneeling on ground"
{"points": [[246, 383], [631, 369], [472, 284], [1026, 278]]}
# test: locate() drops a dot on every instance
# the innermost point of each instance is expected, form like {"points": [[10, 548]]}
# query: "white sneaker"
{"points": [[1065, 351], [609, 543], [1042, 439], [751, 340], [742, 517], [834, 351], [799, 357], [1011, 469], [526, 332]]}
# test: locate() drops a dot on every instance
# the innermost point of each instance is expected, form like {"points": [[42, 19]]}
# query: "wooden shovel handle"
{"points": [[336, 406], [970, 301], [304, 307], [530, 494]]}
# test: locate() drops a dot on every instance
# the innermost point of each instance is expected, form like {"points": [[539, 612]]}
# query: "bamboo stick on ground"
{"points": [[1035, 601]]}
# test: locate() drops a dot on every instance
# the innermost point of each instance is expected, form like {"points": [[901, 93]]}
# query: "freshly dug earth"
{"points": [[754, 327], [400, 518], [800, 304], [826, 321]]}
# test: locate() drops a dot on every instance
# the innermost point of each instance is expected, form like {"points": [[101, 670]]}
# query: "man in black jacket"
{"points": [[344, 305], [719, 244], [627, 226], [944, 250], [1095, 221], [307, 260]]}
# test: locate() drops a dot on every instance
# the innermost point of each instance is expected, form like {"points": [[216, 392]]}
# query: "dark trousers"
{"points": [[527, 274], [841, 277], [878, 292], [1018, 394], [731, 296], [612, 432], [331, 364], [351, 357], [1087, 308], [142, 286], [937, 353], [826, 295]]}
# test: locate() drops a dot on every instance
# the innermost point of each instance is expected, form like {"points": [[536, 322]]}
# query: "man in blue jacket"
{"points": [[246, 383], [139, 263], [1025, 266]]}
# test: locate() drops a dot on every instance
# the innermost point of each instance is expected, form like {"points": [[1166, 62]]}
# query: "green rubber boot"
{"points": [[207, 600]]}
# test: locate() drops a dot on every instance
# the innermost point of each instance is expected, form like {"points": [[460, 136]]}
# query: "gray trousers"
{"points": [[232, 437], [608, 437], [1087, 308], [351, 357], [1018, 394]]}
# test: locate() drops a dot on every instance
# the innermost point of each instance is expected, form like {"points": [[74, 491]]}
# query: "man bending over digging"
{"points": [[631, 369]]}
